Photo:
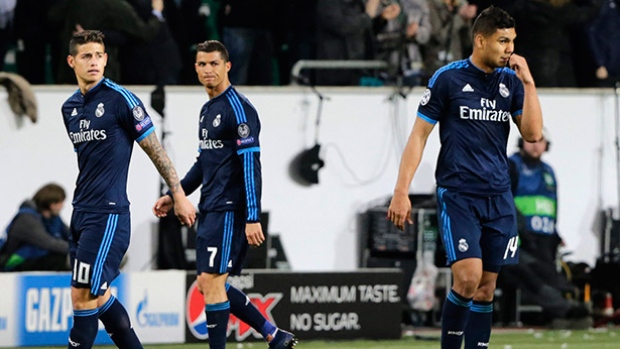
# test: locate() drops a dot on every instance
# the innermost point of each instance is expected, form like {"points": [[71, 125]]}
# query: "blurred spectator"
{"points": [[604, 40], [36, 41], [116, 18], [345, 32], [451, 33], [534, 187], [399, 40], [295, 35], [190, 22], [37, 238], [247, 32], [157, 62], [543, 37], [7, 11]]}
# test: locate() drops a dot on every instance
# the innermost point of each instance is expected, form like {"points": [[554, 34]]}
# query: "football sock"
{"points": [[217, 323], [241, 307], [116, 321], [478, 330], [84, 330], [453, 320]]}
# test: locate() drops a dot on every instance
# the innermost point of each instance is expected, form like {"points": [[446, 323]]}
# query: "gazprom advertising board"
{"points": [[37, 309]]}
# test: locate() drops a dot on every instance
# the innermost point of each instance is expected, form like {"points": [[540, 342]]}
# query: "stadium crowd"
{"points": [[569, 43]]}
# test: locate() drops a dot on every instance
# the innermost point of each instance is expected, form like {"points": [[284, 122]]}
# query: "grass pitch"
{"points": [[605, 338]]}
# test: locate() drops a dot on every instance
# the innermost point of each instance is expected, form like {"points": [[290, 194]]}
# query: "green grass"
{"points": [[501, 339]]}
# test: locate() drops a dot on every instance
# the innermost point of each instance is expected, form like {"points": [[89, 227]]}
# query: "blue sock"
{"points": [[478, 330], [453, 320], [117, 324], [217, 324], [84, 330], [241, 307]]}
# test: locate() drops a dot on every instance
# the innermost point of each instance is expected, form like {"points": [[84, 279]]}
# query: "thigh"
{"points": [[459, 225], [221, 244], [499, 239], [99, 242]]}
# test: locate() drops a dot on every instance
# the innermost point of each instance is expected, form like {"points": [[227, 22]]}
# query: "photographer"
{"points": [[399, 39]]}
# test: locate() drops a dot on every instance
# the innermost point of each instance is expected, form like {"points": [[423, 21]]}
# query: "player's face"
{"points": [[535, 150], [499, 46], [211, 69], [89, 62]]}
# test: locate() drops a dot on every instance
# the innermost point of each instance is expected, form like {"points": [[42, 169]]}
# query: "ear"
{"points": [[479, 41], [228, 66], [71, 61]]}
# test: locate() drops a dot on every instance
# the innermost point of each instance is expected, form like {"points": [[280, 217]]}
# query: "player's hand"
{"points": [[400, 211], [254, 234], [519, 65], [162, 206], [184, 210]]}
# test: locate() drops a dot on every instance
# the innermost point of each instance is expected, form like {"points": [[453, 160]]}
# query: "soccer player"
{"points": [[229, 170], [473, 100], [103, 120]]}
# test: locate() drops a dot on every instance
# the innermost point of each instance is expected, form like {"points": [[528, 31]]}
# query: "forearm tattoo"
{"points": [[160, 159]]}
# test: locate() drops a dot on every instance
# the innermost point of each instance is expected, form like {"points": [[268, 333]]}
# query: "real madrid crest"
{"points": [[243, 130], [100, 110], [463, 246], [138, 113], [503, 90], [217, 121]]}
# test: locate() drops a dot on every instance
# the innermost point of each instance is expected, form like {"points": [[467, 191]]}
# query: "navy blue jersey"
{"points": [[102, 124], [228, 165], [473, 109]]}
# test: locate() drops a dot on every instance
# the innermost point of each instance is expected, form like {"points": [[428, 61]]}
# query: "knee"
{"points": [[485, 292], [466, 283], [82, 299]]}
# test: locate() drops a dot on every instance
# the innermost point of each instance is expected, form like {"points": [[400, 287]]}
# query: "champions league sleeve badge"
{"points": [[243, 130], [426, 97], [138, 113]]}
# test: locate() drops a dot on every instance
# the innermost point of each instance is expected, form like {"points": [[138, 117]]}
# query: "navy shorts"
{"points": [[474, 226], [99, 242], [221, 244]]}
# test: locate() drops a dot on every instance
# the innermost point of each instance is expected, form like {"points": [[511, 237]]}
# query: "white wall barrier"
{"points": [[363, 132]]}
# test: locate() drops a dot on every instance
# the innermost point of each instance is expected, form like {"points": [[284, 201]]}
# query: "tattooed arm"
{"points": [[183, 208]]}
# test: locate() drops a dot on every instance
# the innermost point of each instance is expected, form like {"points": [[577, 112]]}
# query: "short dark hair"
{"points": [[490, 20], [212, 46], [48, 194], [85, 37]]}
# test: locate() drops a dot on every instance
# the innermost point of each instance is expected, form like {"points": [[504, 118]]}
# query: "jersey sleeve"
{"points": [[193, 178], [516, 108], [248, 150], [134, 116], [434, 99]]}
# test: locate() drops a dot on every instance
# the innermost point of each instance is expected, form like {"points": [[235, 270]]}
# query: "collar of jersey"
{"points": [[480, 71]]}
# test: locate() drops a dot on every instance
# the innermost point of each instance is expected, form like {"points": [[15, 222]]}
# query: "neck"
{"points": [[477, 61], [46, 213], [530, 160], [217, 90], [87, 86]]}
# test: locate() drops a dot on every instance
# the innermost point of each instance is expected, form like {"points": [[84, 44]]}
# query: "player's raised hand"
{"points": [[400, 211], [519, 65], [254, 234], [184, 210], [162, 206]]}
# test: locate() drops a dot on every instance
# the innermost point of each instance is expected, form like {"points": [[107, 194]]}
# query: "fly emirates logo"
{"points": [[486, 112], [206, 143], [86, 134]]}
